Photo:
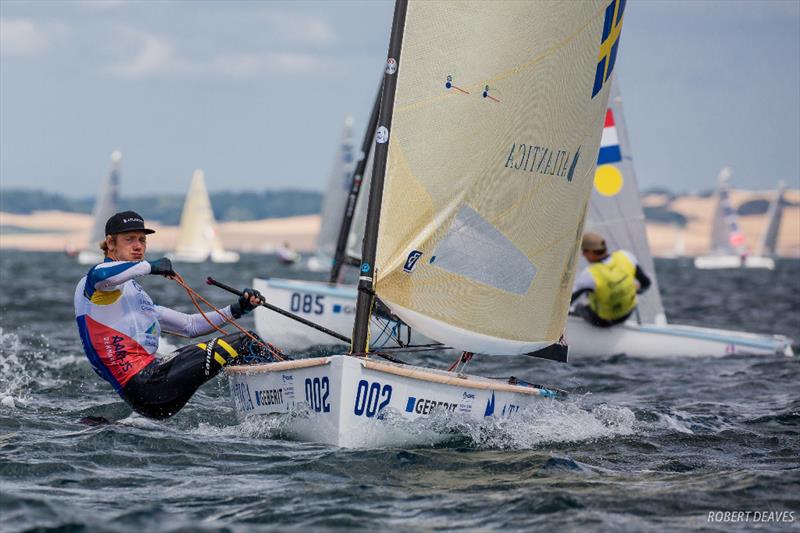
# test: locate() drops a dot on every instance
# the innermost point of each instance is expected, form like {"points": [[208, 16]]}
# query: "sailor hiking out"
{"points": [[612, 281], [120, 326]]}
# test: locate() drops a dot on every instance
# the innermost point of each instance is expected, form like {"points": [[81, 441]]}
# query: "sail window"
{"points": [[475, 249]]}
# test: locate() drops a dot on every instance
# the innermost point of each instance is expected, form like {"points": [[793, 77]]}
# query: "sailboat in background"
{"points": [[471, 235], [106, 204], [334, 202], [614, 211], [769, 239], [198, 236], [728, 248]]}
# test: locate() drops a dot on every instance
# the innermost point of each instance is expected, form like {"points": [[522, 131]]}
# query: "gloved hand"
{"points": [[161, 267], [249, 300]]}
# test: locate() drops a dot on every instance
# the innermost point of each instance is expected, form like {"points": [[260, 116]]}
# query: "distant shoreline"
{"points": [[58, 230]]}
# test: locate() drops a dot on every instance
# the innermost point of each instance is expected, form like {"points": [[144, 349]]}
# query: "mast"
{"points": [[355, 188], [366, 294]]}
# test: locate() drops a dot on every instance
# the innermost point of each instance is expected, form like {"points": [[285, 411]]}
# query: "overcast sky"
{"points": [[255, 92]]}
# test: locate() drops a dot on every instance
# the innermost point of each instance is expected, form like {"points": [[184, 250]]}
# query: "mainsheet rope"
{"points": [[194, 296]]}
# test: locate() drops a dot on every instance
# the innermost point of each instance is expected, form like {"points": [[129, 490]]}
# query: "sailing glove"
{"points": [[243, 306], [161, 267]]}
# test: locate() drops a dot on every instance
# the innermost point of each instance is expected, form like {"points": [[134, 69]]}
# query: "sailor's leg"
{"points": [[163, 388]]}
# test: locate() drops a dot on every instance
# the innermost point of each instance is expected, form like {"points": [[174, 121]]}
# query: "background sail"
{"points": [[725, 235], [615, 211], [198, 234], [336, 193], [107, 201], [496, 127], [769, 240], [356, 236]]}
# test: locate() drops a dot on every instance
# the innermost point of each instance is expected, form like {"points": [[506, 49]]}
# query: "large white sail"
{"points": [[769, 240], [336, 194], [615, 210], [497, 120], [198, 237], [107, 202]]}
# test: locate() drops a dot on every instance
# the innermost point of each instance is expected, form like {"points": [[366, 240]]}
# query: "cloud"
{"points": [[271, 63], [22, 37], [156, 56], [301, 28]]}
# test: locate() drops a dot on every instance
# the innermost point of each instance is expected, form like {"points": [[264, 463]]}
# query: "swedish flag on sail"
{"points": [[609, 43]]}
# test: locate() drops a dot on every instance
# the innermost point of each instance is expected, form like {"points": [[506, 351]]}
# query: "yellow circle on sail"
{"points": [[608, 180]]}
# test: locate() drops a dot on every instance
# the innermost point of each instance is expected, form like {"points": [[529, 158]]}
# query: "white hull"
{"points": [[354, 402], [333, 306], [87, 257], [668, 340], [718, 262]]}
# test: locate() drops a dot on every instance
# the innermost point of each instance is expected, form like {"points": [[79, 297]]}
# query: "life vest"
{"points": [[614, 295]]}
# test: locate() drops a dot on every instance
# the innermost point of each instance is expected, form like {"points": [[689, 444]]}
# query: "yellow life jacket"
{"points": [[614, 293]]}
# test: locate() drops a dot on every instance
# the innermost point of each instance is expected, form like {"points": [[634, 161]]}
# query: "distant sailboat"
{"points": [[106, 204], [198, 237], [728, 249], [769, 239], [334, 202]]}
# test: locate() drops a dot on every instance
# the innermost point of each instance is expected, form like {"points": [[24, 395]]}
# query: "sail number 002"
{"points": [[371, 398], [317, 392]]}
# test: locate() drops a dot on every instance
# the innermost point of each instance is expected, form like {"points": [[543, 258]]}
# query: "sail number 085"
{"points": [[307, 303]]}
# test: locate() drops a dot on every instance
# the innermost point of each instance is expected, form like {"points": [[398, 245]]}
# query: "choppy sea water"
{"points": [[639, 445]]}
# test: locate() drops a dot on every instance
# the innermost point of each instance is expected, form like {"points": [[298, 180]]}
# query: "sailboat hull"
{"points": [[318, 301], [719, 262], [355, 402], [668, 340]]}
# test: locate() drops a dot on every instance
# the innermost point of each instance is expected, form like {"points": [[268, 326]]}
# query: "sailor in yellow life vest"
{"points": [[612, 281]]}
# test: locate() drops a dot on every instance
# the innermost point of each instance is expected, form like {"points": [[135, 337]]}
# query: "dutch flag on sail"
{"points": [[609, 143]]}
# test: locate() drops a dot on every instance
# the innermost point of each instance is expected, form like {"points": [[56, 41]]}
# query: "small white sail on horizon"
{"points": [[198, 237], [105, 205]]}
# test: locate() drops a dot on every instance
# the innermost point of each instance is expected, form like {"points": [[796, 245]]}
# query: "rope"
{"points": [[465, 358], [194, 296]]}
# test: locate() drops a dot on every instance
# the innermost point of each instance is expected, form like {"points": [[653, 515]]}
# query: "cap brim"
{"points": [[146, 231]]}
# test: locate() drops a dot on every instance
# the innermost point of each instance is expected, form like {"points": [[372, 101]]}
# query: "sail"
{"points": [[356, 236], [496, 125], [107, 201], [726, 238], [336, 194], [615, 211], [769, 239], [197, 236]]}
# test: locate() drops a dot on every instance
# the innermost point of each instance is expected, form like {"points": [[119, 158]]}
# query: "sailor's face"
{"points": [[129, 246]]}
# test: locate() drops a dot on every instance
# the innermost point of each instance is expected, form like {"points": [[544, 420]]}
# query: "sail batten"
{"points": [[489, 156]]}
